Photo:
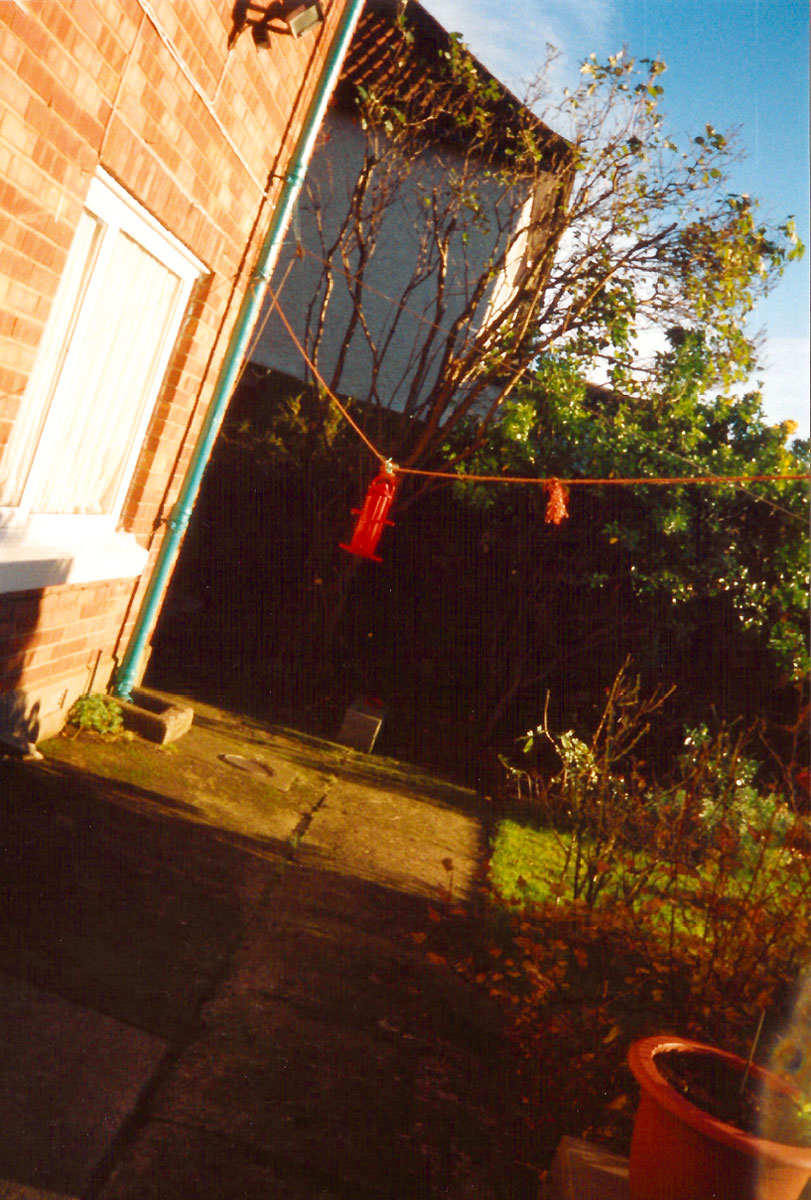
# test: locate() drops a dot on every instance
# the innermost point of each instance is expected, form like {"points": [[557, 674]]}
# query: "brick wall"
{"points": [[147, 90]]}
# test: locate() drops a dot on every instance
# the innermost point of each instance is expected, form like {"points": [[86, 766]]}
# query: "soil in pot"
{"points": [[718, 1088]]}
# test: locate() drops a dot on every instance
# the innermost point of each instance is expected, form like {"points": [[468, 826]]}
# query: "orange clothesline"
{"points": [[549, 482], [640, 479]]}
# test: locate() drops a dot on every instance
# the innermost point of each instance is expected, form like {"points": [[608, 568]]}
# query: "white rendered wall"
{"points": [[386, 378]]}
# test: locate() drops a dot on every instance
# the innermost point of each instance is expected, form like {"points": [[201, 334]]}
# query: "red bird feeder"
{"points": [[373, 516]]}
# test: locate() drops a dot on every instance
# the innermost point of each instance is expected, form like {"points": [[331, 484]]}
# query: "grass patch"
{"points": [[526, 864], [533, 865]]}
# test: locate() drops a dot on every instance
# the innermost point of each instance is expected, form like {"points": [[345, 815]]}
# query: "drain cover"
{"points": [[252, 765]]}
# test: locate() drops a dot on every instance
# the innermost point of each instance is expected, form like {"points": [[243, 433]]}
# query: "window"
{"points": [[99, 367]]}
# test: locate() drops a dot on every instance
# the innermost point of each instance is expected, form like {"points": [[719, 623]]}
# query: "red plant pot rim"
{"points": [[641, 1060]]}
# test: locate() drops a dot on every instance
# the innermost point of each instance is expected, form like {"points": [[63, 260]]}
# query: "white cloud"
{"points": [[511, 38], [785, 380]]}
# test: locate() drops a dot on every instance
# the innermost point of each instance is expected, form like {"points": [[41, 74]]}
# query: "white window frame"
{"points": [[36, 549]]}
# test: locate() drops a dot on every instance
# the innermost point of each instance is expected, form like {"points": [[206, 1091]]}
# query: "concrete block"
{"points": [[155, 719], [583, 1171], [361, 723]]}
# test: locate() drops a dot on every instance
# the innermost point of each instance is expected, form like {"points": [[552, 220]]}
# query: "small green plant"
{"points": [[101, 714]]}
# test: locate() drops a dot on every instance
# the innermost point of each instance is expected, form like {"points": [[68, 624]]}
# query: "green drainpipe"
{"points": [[237, 348]]}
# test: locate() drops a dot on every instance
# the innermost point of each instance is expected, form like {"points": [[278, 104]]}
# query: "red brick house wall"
{"points": [[198, 136]]}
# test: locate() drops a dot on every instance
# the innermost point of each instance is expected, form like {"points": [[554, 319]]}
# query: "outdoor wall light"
{"points": [[273, 18], [299, 20]]}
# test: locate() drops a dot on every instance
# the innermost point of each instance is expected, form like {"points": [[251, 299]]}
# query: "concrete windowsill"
{"points": [[28, 563]]}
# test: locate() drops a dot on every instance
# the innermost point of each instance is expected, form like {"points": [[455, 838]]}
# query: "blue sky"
{"points": [[735, 64]]}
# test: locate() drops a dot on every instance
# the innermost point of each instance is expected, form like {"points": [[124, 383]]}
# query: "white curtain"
{"points": [[106, 383], [94, 376]]}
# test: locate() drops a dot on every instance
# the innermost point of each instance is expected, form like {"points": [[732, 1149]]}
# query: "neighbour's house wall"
{"points": [[147, 92], [382, 358], [400, 58], [533, 241]]}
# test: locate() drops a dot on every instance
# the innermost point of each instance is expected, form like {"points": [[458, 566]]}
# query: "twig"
{"points": [[752, 1051]]}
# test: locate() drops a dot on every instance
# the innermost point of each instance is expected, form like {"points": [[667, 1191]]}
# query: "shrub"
{"points": [[642, 905], [597, 801]]}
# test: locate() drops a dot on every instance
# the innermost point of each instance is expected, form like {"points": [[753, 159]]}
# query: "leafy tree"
{"points": [[526, 245], [680, 575]]}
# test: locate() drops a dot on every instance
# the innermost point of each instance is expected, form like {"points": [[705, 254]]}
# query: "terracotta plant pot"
{"points": [[679, 1152]]}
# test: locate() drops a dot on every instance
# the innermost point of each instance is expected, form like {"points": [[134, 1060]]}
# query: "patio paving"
{"points": [[215, 980]]}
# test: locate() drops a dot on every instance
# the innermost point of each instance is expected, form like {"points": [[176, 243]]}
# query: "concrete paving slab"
{"points": [[192, 778], [369, 1113], [404, 842], [277, 937], [132, 913], [296, 1092], [168, 1160], [69, 1077], [335, 1046], [264, 803], [312, 898], [365, 983], [341, 949]]}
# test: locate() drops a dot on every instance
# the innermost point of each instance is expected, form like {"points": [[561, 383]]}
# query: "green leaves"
{"points": [[97, 713], [738, 552], [713, 139], [649, 222]]}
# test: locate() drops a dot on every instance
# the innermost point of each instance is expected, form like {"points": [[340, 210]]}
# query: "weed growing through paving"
{"points": [[98, 713]]}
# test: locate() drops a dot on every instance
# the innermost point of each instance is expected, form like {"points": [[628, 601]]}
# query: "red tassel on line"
{"points": [[372, 517], [556, 506]]}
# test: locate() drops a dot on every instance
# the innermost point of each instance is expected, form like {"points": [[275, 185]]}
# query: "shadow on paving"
{"points": [[201, 997], [337, 1060], [119, 917], [132, 912]]}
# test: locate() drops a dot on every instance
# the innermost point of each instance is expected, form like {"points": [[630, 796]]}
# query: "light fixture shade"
{"points": [[302, 18]]}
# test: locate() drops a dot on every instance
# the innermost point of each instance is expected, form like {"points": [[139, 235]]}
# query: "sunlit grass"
{"points": [[526, 863], [529, 865]]}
